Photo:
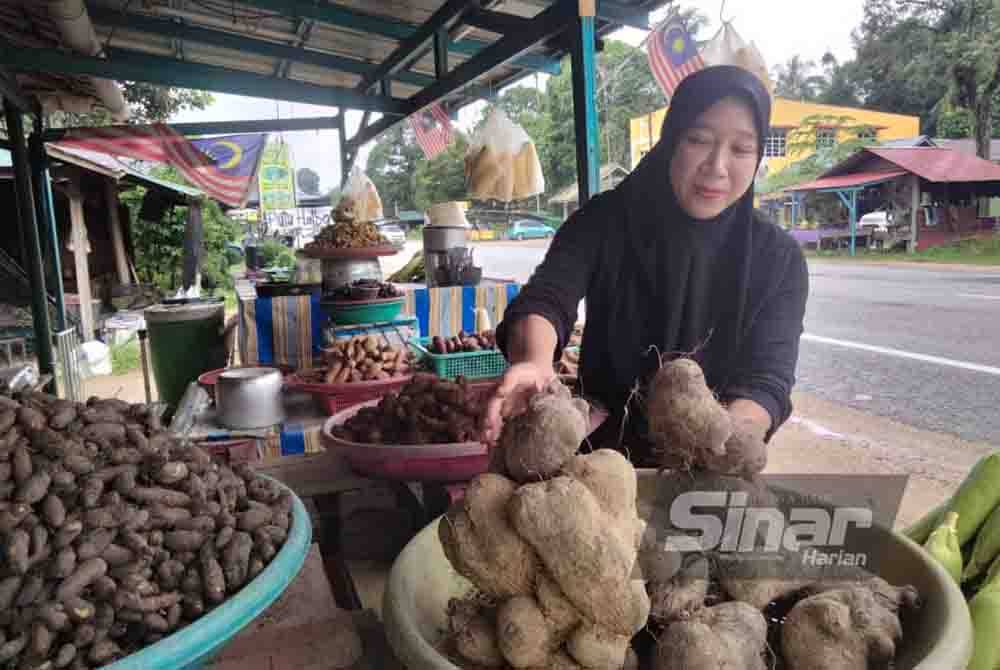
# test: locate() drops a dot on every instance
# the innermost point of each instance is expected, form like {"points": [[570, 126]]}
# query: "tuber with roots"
{"points": [[849, 626], [686, 422], [727, 635], [537, 443], [480, 542]]}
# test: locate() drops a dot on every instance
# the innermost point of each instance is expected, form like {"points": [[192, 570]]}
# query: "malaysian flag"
{"points": [[672, 55], [222, 167], [433, 130]]}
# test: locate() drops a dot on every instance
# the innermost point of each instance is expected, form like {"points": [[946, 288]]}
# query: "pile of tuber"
{"points": [[115, 533], [552, 544], [428, 410]]}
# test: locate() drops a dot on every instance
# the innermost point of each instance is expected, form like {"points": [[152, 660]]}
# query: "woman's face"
{"points": [[716, 159]]}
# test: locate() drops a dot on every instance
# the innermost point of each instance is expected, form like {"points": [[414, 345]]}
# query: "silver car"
{"points": [[393, 233]]}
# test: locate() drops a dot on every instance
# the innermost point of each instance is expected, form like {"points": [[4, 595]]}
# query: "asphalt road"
{"points": [[918, 345]]}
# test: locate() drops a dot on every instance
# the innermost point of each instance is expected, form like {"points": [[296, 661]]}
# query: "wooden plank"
{"points": [[78, 238], [191, 276], [303, 629], [315, 474], [117, 239]]}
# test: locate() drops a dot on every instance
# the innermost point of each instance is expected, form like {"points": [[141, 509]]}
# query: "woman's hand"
{"points": [[519, 384]]}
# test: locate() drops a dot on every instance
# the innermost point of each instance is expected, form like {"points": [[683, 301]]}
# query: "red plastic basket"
{"points": [[336, 397], [457, 462]]}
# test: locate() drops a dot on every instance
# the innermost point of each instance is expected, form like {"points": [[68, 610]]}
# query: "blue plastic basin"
{"points": [[194, 646]]}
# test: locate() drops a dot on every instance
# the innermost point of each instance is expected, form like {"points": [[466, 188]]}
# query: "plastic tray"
{"points": [[458, 462], [353, 312], [470, 364], [336, 397], [193, 646]]}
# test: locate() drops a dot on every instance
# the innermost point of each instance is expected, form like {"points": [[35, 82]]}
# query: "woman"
{"points": [[673, 261]]}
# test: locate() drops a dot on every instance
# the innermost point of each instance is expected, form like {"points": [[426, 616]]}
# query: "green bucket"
{"points": [[185, 340]]}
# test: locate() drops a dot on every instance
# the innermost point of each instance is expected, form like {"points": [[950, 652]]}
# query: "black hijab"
{"points": [[690, 278]]}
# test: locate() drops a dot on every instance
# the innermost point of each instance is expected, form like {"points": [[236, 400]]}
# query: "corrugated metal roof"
{"points": [[853, 180], [940, 165], [969, 147]]}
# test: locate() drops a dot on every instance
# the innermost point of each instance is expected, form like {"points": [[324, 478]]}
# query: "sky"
{"points": [[780, 28]]}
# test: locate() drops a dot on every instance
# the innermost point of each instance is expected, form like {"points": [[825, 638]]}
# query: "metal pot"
{"points": [[249, 398]]}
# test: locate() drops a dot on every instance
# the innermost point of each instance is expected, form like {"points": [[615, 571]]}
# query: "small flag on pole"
{"points": [[672, 55], [433, 130]]}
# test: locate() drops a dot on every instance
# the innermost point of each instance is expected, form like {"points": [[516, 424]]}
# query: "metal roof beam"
{"points": [[226, 127], [615, 11], [226, 40], [133, 66], [391, 28], [549, 23], [445, 16]]}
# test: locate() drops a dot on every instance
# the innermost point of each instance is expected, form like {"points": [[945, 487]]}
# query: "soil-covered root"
{"points": [[481, 544], [477, 643], [523, 635], [581, 547], [537, 443], [850, 627], [597, 649], [681, 595], [686, 422], [727, 635]]}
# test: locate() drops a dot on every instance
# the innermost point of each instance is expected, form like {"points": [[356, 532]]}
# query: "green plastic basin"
{"points": [[368, 311], [191, 648], [422, 581]]}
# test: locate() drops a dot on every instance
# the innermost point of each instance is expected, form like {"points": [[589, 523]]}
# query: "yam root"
{"points": [[728, 635], [596, 649], [477, 643], [686, 422], [523, 636], [852, 627], [581, 547], [681, 595], [482, 545], [537, 443]]}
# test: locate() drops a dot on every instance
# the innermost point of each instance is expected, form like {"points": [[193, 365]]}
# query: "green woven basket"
{"points": [[347, 313], [471, 364]]}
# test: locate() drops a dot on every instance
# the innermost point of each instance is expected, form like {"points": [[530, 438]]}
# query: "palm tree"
{"points": [[796, 79]]}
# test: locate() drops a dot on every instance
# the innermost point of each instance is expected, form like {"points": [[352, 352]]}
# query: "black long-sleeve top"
{"points": [[753, 356]]}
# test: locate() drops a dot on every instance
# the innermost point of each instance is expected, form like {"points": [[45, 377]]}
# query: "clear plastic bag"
{"points": [[359, 201], [728, 48], [501, 162]]}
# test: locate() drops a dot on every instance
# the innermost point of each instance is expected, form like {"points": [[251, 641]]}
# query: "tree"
{"points": [[797, 80], [443, 178], [159, 245], [308, 181], [147, 103], [392, 166], [850, 135], [839, 86]]}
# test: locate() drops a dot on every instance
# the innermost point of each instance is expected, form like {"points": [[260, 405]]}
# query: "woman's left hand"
{"points": [[746, 452]]}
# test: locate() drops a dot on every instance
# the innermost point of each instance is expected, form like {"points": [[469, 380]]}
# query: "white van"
{"points": [[878, 221]]}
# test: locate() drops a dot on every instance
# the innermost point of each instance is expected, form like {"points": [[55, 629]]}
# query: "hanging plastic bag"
{"points": [[501, 162], [728, 48], [359, 201]]}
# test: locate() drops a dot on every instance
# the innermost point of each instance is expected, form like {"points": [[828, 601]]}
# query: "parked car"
{"points": [[527, 229], [877, 221], [393, 233]]}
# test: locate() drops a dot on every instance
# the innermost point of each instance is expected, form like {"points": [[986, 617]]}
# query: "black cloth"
{"points": [[730, 292]]}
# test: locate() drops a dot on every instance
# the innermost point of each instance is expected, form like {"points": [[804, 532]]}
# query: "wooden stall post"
{"points": [[117, 239], [914, 208], [78, 238]]}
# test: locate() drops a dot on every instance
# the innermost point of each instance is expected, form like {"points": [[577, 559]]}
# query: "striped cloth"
{"points": [[446, 311], [284, 330]]}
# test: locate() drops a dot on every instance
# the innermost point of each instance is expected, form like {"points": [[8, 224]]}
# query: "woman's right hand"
{"points": [[519, 384]]}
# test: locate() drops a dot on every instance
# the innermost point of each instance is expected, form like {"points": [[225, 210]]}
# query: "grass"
{"points": [[969, 252], [125, 357]]}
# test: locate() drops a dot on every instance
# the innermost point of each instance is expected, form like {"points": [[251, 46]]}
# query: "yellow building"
{"points": [[787, 116]]}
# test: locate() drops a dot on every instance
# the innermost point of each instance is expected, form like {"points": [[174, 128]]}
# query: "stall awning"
{"points": [[935, 164], [855, 180]]}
